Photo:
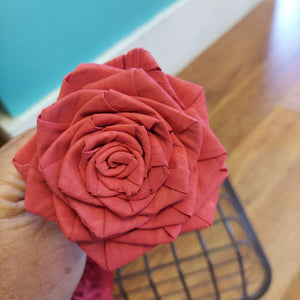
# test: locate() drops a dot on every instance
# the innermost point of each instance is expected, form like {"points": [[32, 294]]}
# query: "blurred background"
{"points": [[246, 55], [43, 41]]}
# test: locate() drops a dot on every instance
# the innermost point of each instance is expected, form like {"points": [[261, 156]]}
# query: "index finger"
{"points": [[11, 184]]}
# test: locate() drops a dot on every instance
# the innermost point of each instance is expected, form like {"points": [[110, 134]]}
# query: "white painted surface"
{"points": [[174, 37]]}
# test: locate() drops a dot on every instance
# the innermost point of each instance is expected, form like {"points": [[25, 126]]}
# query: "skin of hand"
{"points": [[36, 260]]}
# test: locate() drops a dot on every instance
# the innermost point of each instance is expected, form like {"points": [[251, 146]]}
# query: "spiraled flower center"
{"points": [[119, 169], [118, 164]]}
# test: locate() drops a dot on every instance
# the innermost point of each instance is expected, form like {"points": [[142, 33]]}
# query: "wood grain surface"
{"points": [[252, 81]]}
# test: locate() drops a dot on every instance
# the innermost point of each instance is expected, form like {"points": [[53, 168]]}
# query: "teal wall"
{"points": [[41, 41]]}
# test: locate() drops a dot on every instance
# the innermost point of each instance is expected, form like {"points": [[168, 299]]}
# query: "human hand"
{"points": [[36, 260]]}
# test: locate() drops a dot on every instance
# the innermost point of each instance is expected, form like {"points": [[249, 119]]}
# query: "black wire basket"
{"points": [[223, 262]]}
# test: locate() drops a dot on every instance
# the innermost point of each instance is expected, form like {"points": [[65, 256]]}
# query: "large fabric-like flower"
{"points": [[124, 160]]}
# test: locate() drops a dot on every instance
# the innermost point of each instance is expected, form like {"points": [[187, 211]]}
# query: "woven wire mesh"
{"points": [[222, 262]]}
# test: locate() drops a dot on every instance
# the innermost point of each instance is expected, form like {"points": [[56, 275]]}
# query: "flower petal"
{"points": [[150, 237], [24, 157], [104, 253], [72, 226], [124, 207], [136, 58], [189, 94], [147, 87], [207, 198], [85, 74], [163, 198], [48, 133], [129, 253], [68, 176], [65, 110], [178, 168], [122, 82], [54, 152], [116, 226], [151, 184], [195, 223], [167, 217], [211, 146], [188, 206], [96, 251], [93, 217], [38, 196]]}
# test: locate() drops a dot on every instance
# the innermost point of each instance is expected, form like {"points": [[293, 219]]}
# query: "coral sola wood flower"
{"points": [[124, 160]]}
